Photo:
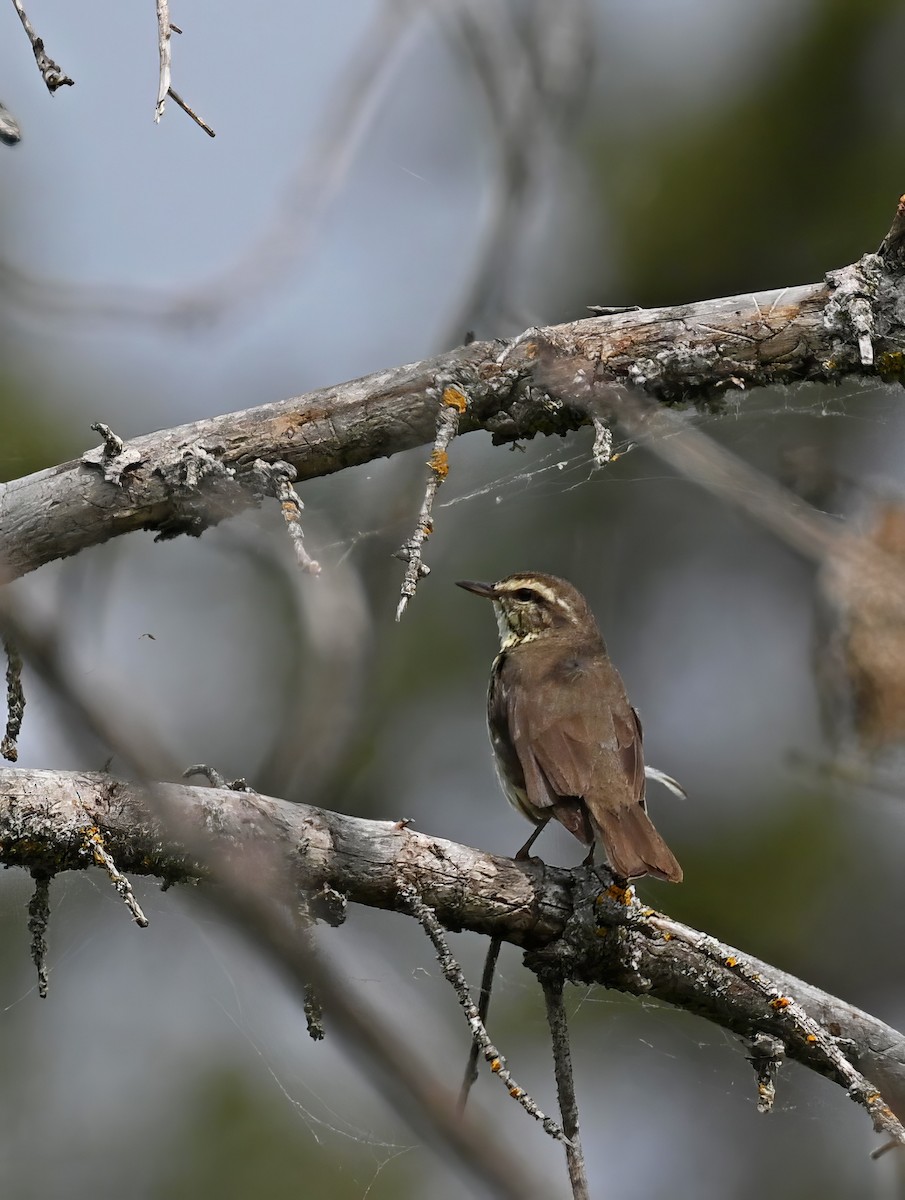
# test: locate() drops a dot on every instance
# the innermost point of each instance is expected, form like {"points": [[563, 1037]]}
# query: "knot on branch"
{"points": [[203, 490]]}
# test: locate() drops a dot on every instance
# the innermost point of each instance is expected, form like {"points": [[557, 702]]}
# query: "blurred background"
{"points": [[385, 178]]}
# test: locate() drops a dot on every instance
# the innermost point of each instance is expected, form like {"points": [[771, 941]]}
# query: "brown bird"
{"points": [[567, 743]]}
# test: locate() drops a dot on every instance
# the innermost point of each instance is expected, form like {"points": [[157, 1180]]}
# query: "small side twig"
{"points": [[277, 479], [602, 450], [165, 30], [38, 919], [766, 1057], [427, 919], [216, 779], [51, 73], [94, 845], [552, 984], [314, 1013], [471, 1071], [113, 445], [453, 404], [189, 111], [15, 701]]}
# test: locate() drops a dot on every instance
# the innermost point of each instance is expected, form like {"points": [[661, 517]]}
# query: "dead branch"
{"points": [[698, 353], [43, 815]]}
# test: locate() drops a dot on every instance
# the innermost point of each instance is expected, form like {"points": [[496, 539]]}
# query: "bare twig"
{"points": [[278, 478], [163, 50], [15, 701], [314, 1013], [552, 983], [38, 918], [215, 779], [94, 846], [165, 30], [113, 445], [427, 919], [453, 403], [186, 108], [766, 1057], [51, 73], [471, 1070]]}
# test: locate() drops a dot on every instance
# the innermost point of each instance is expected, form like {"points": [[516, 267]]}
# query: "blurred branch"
{"points": [[185, 479], [531, 905], [534, 75]]}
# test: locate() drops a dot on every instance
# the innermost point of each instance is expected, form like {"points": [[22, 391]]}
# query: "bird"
{"points": [[566, 741]]}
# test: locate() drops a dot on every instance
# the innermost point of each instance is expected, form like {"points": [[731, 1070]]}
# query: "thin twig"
{"points": [[38, 918], [471, 1071], [766, 1057], [427, 919], [94, 845], [278, 478], [15, 701], [186, 108], [163, 50], [314, 1013], [453, 404], [215, 779], [51, 73], [165, 30], [551, 982], [113, 444]]}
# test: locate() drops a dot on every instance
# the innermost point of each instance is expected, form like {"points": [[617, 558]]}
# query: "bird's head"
{"points": [[531, 606]]}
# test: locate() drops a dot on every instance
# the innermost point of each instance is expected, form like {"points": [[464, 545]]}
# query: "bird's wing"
{"points": [[585, 742]]}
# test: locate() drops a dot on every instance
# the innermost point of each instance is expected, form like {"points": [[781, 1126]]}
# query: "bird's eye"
{"points": [[524, 594]]}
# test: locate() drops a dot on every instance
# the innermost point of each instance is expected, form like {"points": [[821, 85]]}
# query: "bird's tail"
{"points": [[633, 847]]}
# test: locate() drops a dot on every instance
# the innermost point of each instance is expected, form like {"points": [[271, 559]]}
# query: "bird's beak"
{"points": [[488, 590]]}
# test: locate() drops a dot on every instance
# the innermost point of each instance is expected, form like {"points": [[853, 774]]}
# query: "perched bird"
{"points": [[567, 743]]}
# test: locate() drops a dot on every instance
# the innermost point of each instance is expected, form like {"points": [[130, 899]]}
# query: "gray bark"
{"points": [[45, 817], [185, 479]]}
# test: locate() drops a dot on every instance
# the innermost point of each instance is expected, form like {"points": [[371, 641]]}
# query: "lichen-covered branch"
{"points": [[185, 479], [540, 908]]}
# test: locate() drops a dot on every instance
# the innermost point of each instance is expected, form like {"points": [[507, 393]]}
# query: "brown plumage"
{"points": [[566, 740]]}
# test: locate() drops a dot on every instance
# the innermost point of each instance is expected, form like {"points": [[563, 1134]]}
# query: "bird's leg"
{"points": [[522, 854]]}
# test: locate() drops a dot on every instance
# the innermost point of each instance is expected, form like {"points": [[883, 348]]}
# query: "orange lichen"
{"points": [[780, 1003], [439, 463], [731, 961], [496, 1066], [453, 398]]}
